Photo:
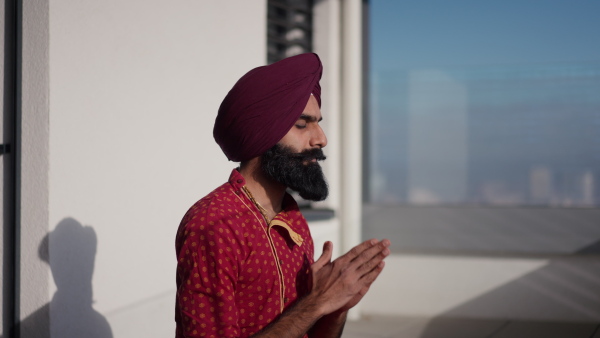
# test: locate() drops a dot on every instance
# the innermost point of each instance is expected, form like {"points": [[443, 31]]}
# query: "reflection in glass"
{"points": [[487, 135]]}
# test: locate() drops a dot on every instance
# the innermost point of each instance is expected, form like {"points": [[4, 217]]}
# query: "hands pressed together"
{"points": [[337, 286], [341, 284]]}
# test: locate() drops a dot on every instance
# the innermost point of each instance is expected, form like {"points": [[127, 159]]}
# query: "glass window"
{"points": [[484, 103], [484, 126]]}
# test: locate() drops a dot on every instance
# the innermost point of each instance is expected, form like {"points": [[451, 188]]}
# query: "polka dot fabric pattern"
{"points": [[235, 272]]}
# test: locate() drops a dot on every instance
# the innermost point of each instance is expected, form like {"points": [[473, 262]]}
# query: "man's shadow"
{"points": [[70, 250]]}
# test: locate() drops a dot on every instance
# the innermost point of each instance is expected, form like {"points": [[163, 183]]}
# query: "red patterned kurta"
{"points": [[236, 274]]}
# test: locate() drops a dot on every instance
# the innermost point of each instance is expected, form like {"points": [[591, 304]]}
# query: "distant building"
{"points": [[531, 132]]}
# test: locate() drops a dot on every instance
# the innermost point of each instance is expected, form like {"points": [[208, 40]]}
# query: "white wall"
{"points": [[32, 171], [536, 289], [134, 89]]}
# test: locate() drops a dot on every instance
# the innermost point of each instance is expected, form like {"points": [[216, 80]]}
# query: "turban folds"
{"points": [[264, 104]]}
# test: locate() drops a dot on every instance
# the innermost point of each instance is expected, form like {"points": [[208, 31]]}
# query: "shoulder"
{"points": [[212, 206], [213, 215]]}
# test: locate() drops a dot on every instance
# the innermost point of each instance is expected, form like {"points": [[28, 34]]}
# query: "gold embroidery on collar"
{"points": [[293, 235], [297, 238]]}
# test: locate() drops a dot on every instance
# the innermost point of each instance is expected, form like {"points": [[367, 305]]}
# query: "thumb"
{"points": [[325, 256]]}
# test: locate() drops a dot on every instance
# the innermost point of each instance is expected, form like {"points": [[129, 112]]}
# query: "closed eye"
{"points": [[305, 119]]}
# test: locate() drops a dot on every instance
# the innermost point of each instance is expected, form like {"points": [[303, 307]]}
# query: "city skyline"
{"points": [[484, 103], [512, 135]]}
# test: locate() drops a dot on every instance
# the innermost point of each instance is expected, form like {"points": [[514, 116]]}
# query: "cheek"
{"points": [[295, 139]]}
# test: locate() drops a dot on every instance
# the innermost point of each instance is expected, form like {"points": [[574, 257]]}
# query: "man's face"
{"points": [[293, 161], [306, 133]]}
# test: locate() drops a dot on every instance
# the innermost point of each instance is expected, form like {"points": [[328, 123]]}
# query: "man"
{"points": [[245, 253]]}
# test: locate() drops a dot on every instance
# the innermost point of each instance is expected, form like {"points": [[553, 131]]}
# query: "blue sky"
{"points": [[408, 34]]}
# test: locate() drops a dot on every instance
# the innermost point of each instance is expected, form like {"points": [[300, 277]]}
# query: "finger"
{"points": [[372, 275], [325, 256], [357, 250], [372, 252], [372, 263]]}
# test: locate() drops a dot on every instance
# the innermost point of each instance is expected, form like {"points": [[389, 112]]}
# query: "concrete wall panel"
{"points": [[134, 89]]}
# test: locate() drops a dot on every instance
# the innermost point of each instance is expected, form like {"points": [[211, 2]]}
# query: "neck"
{"points": [[267, 192]]}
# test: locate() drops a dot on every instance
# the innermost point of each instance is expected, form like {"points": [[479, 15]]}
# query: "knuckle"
{"points": [[368, 267], [373, 275], [367, 255], [371, 264]]}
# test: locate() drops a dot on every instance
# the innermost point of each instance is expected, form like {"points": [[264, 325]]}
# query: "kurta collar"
{"points": [[283, 219]]}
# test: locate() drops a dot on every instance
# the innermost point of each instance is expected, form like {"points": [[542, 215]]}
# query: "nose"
{"points": [[318, 138]]}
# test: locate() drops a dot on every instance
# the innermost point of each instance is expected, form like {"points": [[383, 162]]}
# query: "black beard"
{"points": [[297, 171]]}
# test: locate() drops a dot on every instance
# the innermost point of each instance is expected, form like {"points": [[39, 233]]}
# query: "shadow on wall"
{"points": [[72, 251]]}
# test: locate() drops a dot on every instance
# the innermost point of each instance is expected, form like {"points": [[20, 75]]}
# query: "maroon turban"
{"points": [[264, 105]]}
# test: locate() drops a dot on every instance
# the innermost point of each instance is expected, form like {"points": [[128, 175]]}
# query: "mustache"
{"points": [[296, 170], [309, 155]]}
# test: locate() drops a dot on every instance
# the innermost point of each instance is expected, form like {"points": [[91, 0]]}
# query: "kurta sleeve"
{"points": [[207, 270]]}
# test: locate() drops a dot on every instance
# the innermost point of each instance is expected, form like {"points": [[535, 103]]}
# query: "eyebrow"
{"points": [[309, 118]]}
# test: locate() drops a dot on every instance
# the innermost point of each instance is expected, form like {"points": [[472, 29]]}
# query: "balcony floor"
{"points": [[405, 327]]}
